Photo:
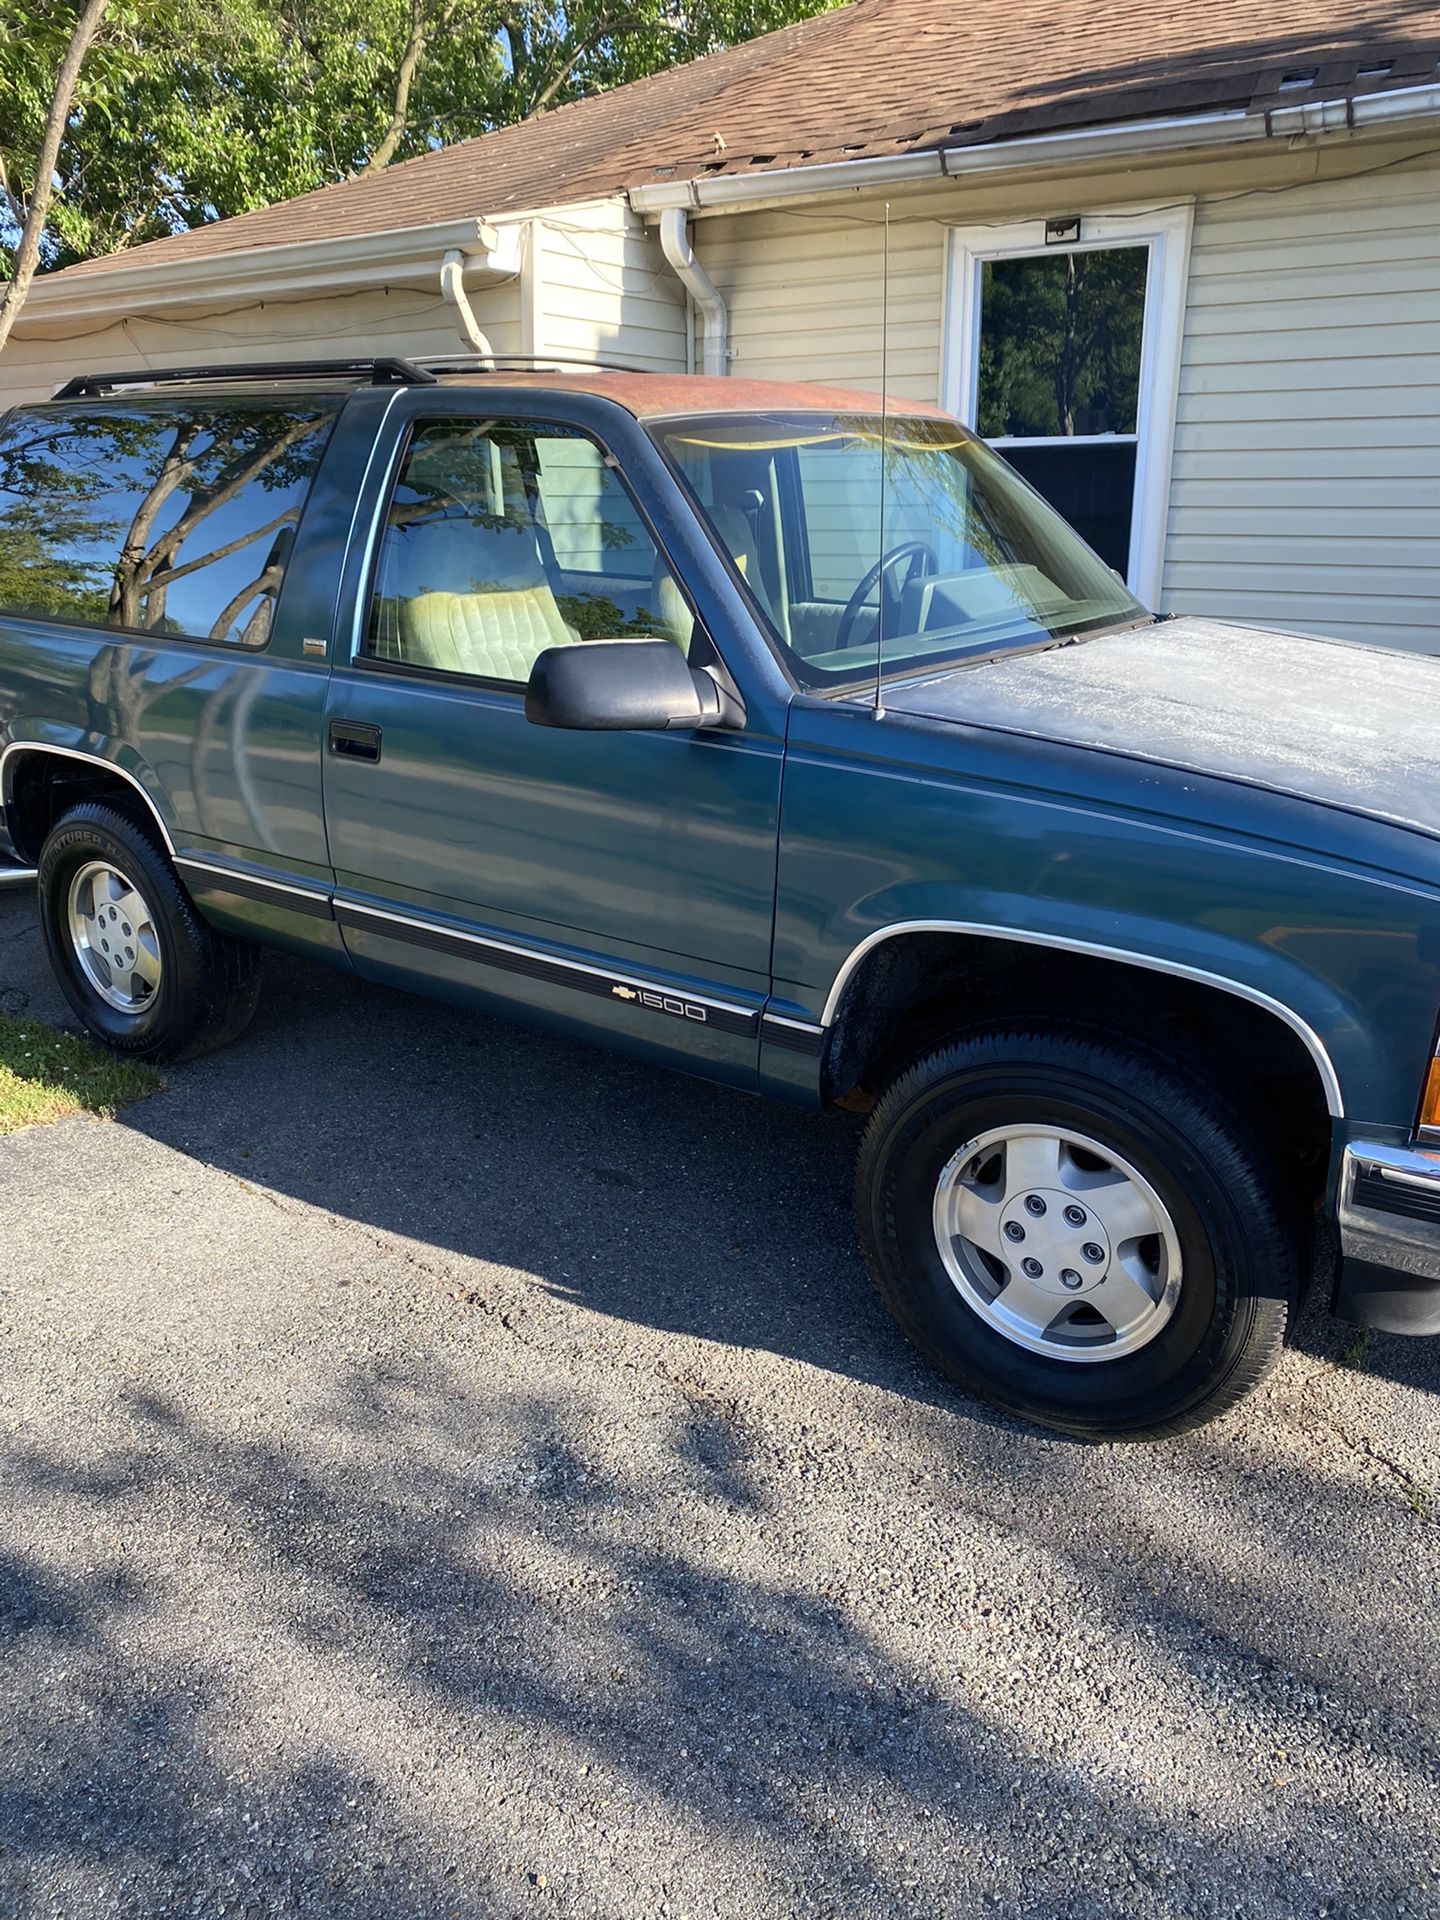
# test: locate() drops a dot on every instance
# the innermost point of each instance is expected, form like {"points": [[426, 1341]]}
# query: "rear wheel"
{"points": [[1082, 1232], [136, 961]]}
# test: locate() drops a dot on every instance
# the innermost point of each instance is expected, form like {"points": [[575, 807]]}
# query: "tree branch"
{"points": [[27, 256], [400, 102]]}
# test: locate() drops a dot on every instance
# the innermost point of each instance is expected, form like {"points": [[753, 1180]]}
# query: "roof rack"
{"points": [[387, 371]]}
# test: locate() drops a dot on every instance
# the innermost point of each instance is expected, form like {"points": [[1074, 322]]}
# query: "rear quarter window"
{"points": [[155, 519]]}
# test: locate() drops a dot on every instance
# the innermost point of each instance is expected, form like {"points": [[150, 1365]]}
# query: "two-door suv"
{"points": [[767, 733]]}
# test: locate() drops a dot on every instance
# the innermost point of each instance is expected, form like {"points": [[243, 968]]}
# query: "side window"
{"points": [[504, 538], [157, 519]]}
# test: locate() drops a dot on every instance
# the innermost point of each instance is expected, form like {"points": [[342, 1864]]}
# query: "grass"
{"points": [[45, 1076], [1354, 1354]]}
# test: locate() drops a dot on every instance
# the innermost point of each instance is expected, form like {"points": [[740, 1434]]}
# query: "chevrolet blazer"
{"points": [[779, 736]]}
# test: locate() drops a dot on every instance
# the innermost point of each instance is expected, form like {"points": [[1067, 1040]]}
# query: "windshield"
{"points": [[953, 555]]}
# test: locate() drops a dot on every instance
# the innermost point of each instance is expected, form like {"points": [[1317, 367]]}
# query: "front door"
{"points": [[620, 882]]}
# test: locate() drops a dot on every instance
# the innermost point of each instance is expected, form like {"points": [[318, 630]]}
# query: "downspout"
{"points": [[709, 301], [452, 288]]}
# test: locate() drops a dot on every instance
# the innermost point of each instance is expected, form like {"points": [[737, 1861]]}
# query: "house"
{"points": [[1181, 264]]}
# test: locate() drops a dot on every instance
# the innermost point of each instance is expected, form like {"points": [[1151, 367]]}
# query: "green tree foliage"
{"points": [[191, 110]]}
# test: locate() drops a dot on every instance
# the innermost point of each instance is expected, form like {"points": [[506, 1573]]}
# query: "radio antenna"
{"points": [[884, 463]]}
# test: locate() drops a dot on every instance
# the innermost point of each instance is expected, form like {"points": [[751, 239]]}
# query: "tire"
{"points": [[190, 989], [1155, 1332]]}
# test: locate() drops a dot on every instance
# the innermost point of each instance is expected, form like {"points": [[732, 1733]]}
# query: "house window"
{"points": [[1066, 359]]}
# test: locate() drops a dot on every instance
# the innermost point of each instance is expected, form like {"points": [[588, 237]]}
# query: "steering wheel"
{"points": [[923, 563]]}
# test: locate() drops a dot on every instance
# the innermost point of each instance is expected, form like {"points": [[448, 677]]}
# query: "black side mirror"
{"points": [[625, 685]]}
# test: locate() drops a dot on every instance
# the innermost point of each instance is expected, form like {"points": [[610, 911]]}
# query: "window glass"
{"points": [[903, 542], [505, 538], [169, 519], [1060, 337]]}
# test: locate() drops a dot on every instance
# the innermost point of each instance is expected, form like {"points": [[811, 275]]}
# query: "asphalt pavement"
{"points": [[452, 1474]]}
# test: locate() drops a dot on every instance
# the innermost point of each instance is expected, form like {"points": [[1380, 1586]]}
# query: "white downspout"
{"points": [[452, 288], [709, 301]]}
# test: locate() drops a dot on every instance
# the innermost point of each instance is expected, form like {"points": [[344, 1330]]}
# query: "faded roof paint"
{"points": [[879, 77], [657, 396]]}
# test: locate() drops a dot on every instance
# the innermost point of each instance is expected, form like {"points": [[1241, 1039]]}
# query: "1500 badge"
{"points": [[662, 1003]]}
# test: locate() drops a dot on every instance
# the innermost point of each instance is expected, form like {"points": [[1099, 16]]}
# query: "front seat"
{"points": [[473, 599]]}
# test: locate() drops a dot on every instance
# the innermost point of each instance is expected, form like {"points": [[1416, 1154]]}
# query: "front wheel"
{"points": [[143, 970], [1078, 1231]]}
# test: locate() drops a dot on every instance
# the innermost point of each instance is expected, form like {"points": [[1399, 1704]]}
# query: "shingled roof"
{"points": [[876, 77]]}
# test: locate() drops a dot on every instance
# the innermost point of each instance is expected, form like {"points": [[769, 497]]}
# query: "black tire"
{"points": [[1237, 1231], [209, 983]]}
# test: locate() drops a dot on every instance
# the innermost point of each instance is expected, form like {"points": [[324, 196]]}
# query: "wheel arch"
{"points": [[39, 777], [989, 941]]}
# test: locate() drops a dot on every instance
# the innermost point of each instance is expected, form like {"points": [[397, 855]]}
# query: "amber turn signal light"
{"points": [[1430, 1100]]}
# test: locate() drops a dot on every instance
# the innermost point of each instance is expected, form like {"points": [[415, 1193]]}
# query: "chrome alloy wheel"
{"points": [[113, 934], [1057, 1243]]}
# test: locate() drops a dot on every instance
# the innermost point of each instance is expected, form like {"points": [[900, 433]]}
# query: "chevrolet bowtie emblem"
{"points": [[624, 993]]}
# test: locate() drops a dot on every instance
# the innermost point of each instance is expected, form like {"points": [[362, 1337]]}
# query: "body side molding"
{"points": [[1314, 1045]]}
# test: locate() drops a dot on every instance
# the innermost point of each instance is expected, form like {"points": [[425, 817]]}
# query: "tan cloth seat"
{"points": [[467, 597], [498, 636]]}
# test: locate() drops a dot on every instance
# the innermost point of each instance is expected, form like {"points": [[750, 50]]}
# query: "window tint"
{"points": [[160, 519], [504, 539]]}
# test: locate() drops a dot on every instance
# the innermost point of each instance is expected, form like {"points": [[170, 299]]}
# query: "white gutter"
{"points": [[709, 301], [394, 257], [1404, 106]]}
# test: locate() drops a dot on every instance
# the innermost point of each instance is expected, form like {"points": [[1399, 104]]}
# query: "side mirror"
{"points": [[625, 685]]}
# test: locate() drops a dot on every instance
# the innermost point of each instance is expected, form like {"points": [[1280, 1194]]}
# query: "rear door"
{"points": [[615, 882]]}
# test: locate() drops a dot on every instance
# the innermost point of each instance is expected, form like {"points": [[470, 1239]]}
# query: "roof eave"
{"points": [[1179, 133], [397, 257]]}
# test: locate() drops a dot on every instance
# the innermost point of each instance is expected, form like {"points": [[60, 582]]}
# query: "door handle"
{"points": [[355, 739]]}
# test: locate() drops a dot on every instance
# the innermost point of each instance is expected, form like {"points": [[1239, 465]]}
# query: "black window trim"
{"points": [[155, 635], [363, 660]]}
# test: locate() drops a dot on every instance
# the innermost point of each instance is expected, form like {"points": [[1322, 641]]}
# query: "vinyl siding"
{"points": [[1305, 488], [600, 286], [805, 294], [404, 320]]}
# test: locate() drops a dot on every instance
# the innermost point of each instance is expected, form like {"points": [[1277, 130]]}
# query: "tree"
{"points": [[30, 213], [191, 110]]}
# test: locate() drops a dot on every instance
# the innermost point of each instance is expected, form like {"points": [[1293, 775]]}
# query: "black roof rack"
{"points": [[388, 371]]}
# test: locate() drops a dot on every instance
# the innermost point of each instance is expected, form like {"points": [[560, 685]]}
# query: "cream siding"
{"points": [[805, 294], [599, 287], [408, 320], [1305, 488]]}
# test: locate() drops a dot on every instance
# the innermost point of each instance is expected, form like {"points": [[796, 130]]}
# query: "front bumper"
{"points": [[1389, 1215]]}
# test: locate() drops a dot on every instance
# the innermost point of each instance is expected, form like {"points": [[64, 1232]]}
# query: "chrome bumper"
{"points": [[1389, 1217]]}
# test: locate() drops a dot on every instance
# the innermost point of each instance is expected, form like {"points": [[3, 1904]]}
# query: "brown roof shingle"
{"points": [[875, 77]]}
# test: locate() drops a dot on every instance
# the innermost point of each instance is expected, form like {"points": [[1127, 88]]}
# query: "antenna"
{"points": [[879, 709]]}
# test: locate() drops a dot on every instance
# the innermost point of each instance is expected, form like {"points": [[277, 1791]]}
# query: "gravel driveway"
{"points": [[448, 1473]]}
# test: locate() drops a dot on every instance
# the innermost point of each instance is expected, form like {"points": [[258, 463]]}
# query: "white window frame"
{"points": [[1168, 236]]}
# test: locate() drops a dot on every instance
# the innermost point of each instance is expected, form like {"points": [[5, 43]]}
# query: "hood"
{"points": [[1351, 726]]}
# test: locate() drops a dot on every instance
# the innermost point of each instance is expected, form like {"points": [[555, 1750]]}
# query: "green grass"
{"points": [[45, 1076]]}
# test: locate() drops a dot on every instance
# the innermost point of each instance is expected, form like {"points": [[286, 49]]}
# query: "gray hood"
{"points": [[1352, 726]]}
